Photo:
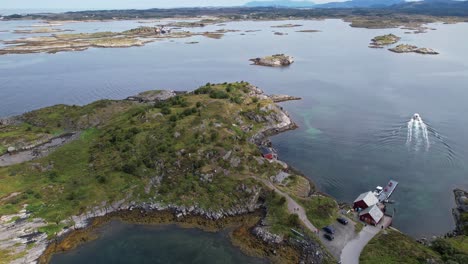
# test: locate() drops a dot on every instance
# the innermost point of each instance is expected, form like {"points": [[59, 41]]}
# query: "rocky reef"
{"points": [[278, 60], [405, 48]]}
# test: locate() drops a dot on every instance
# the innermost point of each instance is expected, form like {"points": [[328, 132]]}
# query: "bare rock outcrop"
{"points": [[278, 60]]}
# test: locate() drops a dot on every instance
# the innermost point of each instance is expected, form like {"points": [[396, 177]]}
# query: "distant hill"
{"points": [[281, 3], [363, 4], [434, 7]]}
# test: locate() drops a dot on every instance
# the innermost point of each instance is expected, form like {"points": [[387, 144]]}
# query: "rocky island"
{"points": [[160, 157], [81, 41], [384, 40], [278, 60], [287, 26], [405, 48]]}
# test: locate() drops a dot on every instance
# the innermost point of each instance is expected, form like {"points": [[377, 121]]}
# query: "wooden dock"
{"points": [[387, 190]]}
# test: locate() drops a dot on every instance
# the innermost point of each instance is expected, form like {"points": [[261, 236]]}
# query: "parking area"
{"points": [[343, 234]]}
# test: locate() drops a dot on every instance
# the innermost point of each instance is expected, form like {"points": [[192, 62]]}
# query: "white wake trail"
{"points": [[409, 136], [418, 134], [425, 135]]}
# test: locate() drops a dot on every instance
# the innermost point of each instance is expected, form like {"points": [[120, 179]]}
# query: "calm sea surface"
{"points": [[127, 243], [353, 118]]}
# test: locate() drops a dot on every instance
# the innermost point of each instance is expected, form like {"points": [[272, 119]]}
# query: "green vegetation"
{"points": [[192, 150], [464, 219], [394, 247], [182, 143], [38, 126], [278, 217], [385, 40], [321, 210], [453, 250], [6, 256]]}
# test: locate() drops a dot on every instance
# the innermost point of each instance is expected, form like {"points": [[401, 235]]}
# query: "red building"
{"points": [[372, 215], [268, 153], [365, 200]]}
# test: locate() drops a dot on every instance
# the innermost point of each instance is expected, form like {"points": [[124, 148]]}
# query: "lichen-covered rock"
{"points": [[153, 96]]}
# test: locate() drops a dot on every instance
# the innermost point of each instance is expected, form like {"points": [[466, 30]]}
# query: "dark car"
{"points": [[329, 236], [329, 229], [342, 220]]}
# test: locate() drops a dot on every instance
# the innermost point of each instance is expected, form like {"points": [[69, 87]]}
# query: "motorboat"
{"points": [[417, 117]]}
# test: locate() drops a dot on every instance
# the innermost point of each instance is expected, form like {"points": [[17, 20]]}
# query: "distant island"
{"points": [[81, 41], [384, 40], [405, 48], [278, 60], [281, 3], [389, 39]]}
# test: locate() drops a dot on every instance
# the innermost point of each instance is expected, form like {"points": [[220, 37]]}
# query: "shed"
{"points": [[372, 215], [365, 200], [268, 153]]}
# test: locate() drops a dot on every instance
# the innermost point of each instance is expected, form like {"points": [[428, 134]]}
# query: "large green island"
{"points": [[159, 157]]}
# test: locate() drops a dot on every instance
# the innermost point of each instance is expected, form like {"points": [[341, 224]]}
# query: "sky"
{"points": [[118, 4]]}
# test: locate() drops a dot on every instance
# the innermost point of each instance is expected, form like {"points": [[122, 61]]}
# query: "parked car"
{"points": [[329, 229], [329, 236], [342, 220]]}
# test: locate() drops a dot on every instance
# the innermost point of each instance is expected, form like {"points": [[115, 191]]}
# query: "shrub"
{"points": [[203, 90], [166, 110], [293, 220], [217, 94], [173, 118], [101, 179]]}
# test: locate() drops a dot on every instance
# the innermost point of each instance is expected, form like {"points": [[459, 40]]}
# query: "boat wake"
{"points": [[417, 135]]}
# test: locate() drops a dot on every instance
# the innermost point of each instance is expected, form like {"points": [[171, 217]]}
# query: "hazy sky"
{"points": [[118, 4]]}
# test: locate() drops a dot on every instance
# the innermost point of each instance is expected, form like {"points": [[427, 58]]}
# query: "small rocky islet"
{"points": [[277, 60], [406, 48], [384, 40], [380, 42]]}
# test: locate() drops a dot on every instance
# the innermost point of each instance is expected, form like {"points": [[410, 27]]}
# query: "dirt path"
{"points": [[293, 206], [352, 250]]}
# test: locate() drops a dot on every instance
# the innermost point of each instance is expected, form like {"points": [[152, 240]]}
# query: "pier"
{"points": [[387, 191]]}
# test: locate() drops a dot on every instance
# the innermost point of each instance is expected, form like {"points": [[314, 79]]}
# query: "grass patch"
{"points": [[321, 210], [278, 217], [452, 250], [395, 247], [7, 256], [460, 243]]}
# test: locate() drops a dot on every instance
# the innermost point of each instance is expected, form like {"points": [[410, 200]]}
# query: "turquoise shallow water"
{"points": [[127, 243], [353, 116]]}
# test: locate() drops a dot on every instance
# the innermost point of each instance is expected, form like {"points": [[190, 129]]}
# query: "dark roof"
{"points": [[374, 211], [265, 150]]}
